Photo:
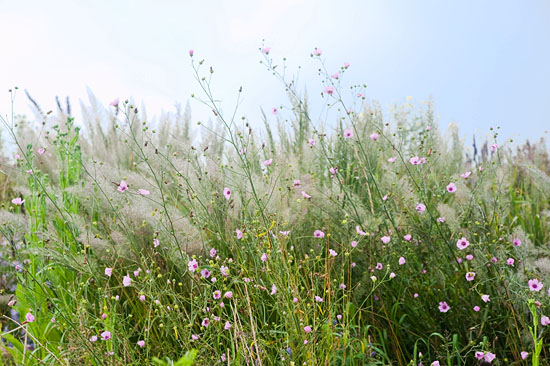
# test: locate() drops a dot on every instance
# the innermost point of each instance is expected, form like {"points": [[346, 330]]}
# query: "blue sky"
{"points": [[485, 63]]}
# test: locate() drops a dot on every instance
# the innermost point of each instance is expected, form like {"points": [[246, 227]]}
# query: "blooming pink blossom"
{"points": [[444, 307], [193, 265], [114, 102], [510, 261], [273, 289], [485, 298], [374, 136], [307, 329], [141, 297], [29, 318], [466, 175], [535, 285], [296, 183], [407, 237], [93, 338], [524, 355], [451, 188], [402, 261], [217, 294], [392, 275], [415, 160], [311, 142], [228, 294], [318, 234], [421, 207], [306, 196], [544, 320], [41, 151], [126, 281], [266, 50], [329, 90], [239, 234], [346, 65], [17, 201], [353, 244], [205, 322], [143, 192], [264, 257], [489, 357], [205, 273], [227, 193], [105, 335], [141, 343], [191, 53], [440, 220], [348, 133], [359, 231], [268, 162], [494, 147], [385, 239], [332, 252], [274, 110], [516, 242], [335, 76], [477, 308], [224, 270], [462, 243], [317, 52], [123, 186], [156, 242], [392, 159], [227, 325], [470, 276]]}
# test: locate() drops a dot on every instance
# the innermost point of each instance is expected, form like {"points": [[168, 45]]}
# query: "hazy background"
{"points": [[486, 63]]}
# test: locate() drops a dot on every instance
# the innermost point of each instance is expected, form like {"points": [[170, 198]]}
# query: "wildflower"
{"points": [[465, 175], [284, 233], [317, 52], [444, 307], [441, 220], [141, 343], [353, 244], [306, 196], [385, 239], [122, 186], [385, 198], [311, 142], [510, 261], [348, 133], [296, 183], [359, 231], [379, 266], [93, 339], [29, 318], [105, 335], [415, 295], [318, 234], [335, 76], [494, 147], [485, 298], [17, 201], [143, 192], [239, 234], [266, 50], [459, 260], [469, 257], [451, 188], [274, 110], [108, 272], [392, 159], [535, 285], [194, 337], [342, 286], [477, 308], [224, 270], [193, 265], [205, 273], [191, 53], [264, 257], [544, 320], [332, 252], [227, 193], [516, 242], [462, 243], [227, 325], [268, 162], [318, 298], [212, 253], [421, 207], [402, 261], [126, 281], [524, 355], [392, 275], [41, 151], [435, 363], [141, 297], [329, 90], [114, 102], [273, 289], [415, 160], [205, 322], [373, 278], [228, 294], [374, 136], [333, 171], [217, 294], [29, 171], [470, 276], [407, 237]]}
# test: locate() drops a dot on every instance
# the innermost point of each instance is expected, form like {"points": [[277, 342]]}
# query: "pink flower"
{"points": [[239, 234], [311, 142], [353, 244], [212, 253], [451, 188], [348, 133], [477, 308], [329, 90], [516, 242], [421, 207], [444, 307], [346, 65], [192, 265], [156, 242], [217, 294], [224, 270], [108, 272], [264, 257], [469, 257], [307, 329], [41, 151], [122, 186], [126, 281], [284, 233], [318, 298], [274, 110], [535, 285], [17, 201], [268, 162], [462, 243], [374, 136], [228, 294], [385, 239], [392, 159], [266, 50], [544, 320], [29, 318], [296, 183], [143, 192], [415, 160], [489, 357], [441, 220], [335, 76], [205, 273], [273, 289], [226, 193], [93, 339], [470, 276], [392, 275], [105, 335], [435, 363], [205, 322], [191, 53], [485, 298], [408, 237], [379, 266], [306, 196], [524, 355], [402, 261], [510, 261], [317, 52], [332, 252], [141, 343], [465, 175], [359, 231], [227, 325], [194, 337], [141, 297], [385, 197], [333, 171], [318, 234], [494, 147], [479, 355]]}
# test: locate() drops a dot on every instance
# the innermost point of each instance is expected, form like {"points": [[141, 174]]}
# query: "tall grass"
{"points": [[318, 243]]}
